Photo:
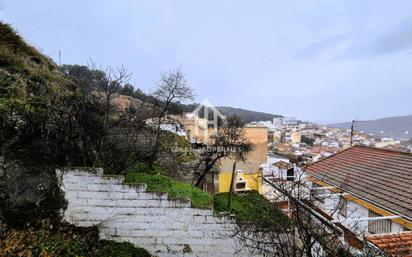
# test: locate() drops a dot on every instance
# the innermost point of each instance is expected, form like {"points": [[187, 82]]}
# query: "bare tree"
{"points": [[227, 142], [107, 83], [171, 88]]}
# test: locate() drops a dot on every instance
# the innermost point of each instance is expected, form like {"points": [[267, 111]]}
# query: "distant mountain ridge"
{"points": [[399, 127], [247, 115]]}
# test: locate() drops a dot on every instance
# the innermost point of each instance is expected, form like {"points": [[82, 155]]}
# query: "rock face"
{"points": [[27, 193], [147, 219]]}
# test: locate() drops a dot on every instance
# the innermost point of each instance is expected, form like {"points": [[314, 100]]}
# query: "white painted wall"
{"points": [[146, 219], [354, 212]]}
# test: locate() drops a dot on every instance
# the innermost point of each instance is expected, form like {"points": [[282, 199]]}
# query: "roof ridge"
{"points": [[381, 149], [360, 146]]}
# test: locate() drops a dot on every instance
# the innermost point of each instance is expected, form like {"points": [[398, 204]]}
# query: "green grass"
{"points": [[141, 167], [161, 183], [253, 208]]}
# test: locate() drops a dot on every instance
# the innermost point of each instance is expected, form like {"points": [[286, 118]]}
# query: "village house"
{"points": [[248, 172], [368, 191]]}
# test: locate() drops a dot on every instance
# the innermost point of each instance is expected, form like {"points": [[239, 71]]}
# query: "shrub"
{"points": [[253, 208], [141, 167], [61, 239], [125, 249], [176, 190]]}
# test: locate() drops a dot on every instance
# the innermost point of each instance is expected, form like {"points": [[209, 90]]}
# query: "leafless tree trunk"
{"points": [[228, 142], [108, 83], [171, 88]]}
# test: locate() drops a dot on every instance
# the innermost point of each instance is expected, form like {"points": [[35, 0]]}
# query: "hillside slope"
{"points": [[40, 108], [387, 127], [16, 56], [178, 108], [34, 96], [247, 115]]}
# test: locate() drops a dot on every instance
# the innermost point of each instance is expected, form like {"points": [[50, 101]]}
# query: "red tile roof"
{"points": [[394, 244], [381, 177], [283, 165]]}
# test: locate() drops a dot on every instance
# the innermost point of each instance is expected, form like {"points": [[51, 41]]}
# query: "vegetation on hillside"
{"points": [[157, 181], [69, 117], [247, 115], [17, 55], [79, 71], [252, 208], [39, 107], [55, 240]]}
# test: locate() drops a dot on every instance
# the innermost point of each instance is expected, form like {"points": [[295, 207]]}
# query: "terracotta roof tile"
{"points": [[394, 244], [382, 177], [283, 165]]}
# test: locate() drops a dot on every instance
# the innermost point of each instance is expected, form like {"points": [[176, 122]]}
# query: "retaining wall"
{"points": [[147, 219]]}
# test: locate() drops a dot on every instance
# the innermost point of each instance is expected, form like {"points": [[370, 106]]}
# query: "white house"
{"points": [[367, 190]]}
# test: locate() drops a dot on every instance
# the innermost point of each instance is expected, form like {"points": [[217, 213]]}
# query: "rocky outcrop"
{"points": [[27, 193]]}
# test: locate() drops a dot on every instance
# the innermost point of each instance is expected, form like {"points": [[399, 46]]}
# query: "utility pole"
{"points": [[351, 132], [232, 180], [60, 58]]}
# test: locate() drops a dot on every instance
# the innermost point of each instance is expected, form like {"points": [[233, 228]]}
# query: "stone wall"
{"points": [[147, 219]]}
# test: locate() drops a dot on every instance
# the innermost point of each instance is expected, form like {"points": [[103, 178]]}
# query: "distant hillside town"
{"points": [[311, 141]]}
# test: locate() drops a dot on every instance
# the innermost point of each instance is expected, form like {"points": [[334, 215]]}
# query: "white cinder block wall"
{"points": [[146, 219]]}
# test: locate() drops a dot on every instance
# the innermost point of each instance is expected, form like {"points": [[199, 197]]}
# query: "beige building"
{"points": [[258, 137], [248, 172], [277, 137], [295, 137], [195, 128]]}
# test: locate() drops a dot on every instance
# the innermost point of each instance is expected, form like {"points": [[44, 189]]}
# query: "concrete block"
{"points": [[121, 188], [75, 187], [93, 195], [98, 187], [130, 196], [122, 232], [199, 218], [102, 202]]}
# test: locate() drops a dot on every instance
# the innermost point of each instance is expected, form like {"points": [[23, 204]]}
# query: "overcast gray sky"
{"points": [[318, 60]]}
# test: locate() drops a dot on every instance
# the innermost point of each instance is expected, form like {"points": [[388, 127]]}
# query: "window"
{"points": [[241, 185], [343, 206], [290, 174], [317, 193], [382, 226]]}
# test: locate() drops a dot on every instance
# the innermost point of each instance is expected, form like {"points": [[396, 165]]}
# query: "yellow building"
{"points": [[248, 174], [242, 182]]}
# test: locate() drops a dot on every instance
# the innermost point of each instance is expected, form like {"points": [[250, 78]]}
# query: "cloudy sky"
{"points": [[324, 61]]}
